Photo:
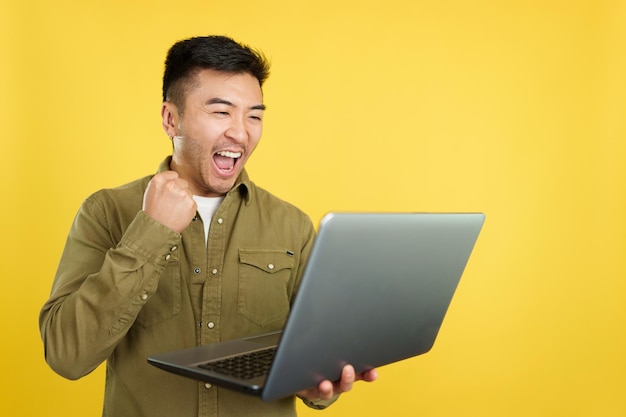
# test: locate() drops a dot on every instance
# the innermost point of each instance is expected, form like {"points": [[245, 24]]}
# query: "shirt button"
{"points": [[270, 266], [196, 270], [210, 325], [214, 271], [167, 257], [207, 385], [173, 248], [220, 221], [144, 296]]}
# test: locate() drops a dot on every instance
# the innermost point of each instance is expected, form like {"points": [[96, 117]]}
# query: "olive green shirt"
{"points": [[127, 287]]}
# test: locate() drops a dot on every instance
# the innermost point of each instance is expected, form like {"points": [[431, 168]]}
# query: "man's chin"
{"points": [[219, 187]]}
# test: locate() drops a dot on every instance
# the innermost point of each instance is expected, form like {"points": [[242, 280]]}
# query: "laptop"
{"points": [[375, 291]]}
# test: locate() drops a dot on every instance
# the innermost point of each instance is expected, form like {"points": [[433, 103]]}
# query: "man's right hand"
{"points": [[169, 201]]}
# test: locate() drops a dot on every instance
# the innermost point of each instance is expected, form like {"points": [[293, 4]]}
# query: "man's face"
{"points": [[218, 131]]}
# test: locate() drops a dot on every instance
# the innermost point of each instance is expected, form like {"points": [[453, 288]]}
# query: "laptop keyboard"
{"points": [[247, 366]]}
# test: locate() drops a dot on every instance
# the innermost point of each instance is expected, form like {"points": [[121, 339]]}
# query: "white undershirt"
{"points": [[207, 206]]}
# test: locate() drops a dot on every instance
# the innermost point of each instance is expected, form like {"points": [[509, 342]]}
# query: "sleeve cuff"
{"points": [[318, 404], [150, 240]]}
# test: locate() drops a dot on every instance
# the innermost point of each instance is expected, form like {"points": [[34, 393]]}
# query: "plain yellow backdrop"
{"points": [[512, 108]]}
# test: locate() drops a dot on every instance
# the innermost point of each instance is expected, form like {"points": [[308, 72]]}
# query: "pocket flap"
{"points": [[268, 260]]}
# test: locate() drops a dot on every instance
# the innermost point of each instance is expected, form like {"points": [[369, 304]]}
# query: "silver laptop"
{"points": [[375, 290]]}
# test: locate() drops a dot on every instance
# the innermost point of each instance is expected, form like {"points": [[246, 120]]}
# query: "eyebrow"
{"points": [[217, 100]]}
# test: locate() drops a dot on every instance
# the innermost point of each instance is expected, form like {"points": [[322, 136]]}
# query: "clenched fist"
{"points": [[169, 201]]}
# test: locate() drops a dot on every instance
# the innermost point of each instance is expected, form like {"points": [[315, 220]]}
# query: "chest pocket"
{"points": [[165, 303], [264, 275]]}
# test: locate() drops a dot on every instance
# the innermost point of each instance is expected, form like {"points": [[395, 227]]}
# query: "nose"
{"points": [[237, 130]]}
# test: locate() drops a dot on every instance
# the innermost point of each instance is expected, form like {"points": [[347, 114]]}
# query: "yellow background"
{"points": [[512, 108]]}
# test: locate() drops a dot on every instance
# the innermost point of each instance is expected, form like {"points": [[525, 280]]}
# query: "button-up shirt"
{"points": [[128, 287]]}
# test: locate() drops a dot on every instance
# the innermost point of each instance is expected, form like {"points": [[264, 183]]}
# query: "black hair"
{"points": [[220, 53]]}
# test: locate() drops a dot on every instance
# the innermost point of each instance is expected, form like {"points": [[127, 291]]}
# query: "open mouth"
{"points": [[226, 160]]}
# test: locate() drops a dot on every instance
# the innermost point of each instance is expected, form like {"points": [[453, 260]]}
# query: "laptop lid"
{"points": [[375, 290]]}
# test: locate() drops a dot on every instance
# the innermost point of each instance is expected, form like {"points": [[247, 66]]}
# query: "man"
{"points": [[193, 255]]}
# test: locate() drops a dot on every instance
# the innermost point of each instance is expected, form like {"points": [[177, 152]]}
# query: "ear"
{"points": [[169, 119]]}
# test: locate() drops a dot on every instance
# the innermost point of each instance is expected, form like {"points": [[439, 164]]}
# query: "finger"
{"points": [[368, 376], [165, 176], [347, 378], [178, 186], [325, 390]]}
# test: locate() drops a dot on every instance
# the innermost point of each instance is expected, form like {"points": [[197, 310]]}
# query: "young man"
{"points": [[193, 255]]}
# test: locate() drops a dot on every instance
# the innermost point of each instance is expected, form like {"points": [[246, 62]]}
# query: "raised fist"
{"points": [[169, 201]]}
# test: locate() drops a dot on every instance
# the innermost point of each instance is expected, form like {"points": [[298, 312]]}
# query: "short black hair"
{"points": [[220, 53]]}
